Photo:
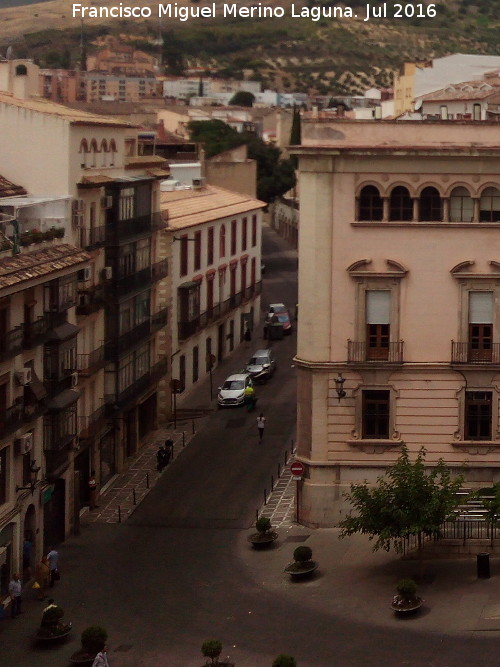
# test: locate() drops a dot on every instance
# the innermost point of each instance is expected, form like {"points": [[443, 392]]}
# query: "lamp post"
{"points": [[34, 470], [339, 386]]}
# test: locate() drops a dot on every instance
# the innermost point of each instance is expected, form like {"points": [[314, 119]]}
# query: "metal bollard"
{"points": [[147, 480], [272, 483], [193, 427], [279, 471], [119, 514], [256, 515], [286, 456], [265, 496], [183, 438], [133, 496]]}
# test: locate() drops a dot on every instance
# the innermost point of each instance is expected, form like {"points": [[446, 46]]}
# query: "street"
{"points": [[179, 570]]}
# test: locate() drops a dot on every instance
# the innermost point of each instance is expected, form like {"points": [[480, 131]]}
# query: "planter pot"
{"points": [[406, 607], [297, 571], [81, 658], [44, 638], [262, 540]]}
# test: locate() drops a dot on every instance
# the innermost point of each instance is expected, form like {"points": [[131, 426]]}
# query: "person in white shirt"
{"points": [[15, 588], [53, 558], [101, 659], [261, 422]]}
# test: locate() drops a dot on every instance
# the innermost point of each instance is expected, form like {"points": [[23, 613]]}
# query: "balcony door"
{"points": [[480, 326], [378, 305]]}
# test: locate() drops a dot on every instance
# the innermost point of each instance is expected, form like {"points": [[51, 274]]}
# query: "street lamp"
{"points": [[34, 470], [339, 386]]}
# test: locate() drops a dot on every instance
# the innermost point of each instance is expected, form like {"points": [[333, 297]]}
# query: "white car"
{"points": [[232, 391]]}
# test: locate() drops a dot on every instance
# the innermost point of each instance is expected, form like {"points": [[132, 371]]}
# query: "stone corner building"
{"points": [[400, 246]]}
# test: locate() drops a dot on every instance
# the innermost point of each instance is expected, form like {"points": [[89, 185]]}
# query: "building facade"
{"points": [[400, 343], [215, 279]]}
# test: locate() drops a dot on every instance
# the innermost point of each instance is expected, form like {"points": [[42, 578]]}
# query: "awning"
{"points": [[63, 332], [191, 284], [63, 400]]}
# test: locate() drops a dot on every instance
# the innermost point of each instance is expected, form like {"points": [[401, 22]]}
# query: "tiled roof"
{"points": [[468, 90], [193, 207], [73, 116], [39, 263], [8, 189]]}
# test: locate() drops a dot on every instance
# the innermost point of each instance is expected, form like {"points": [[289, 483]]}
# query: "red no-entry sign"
{"points": [[297, 469]]}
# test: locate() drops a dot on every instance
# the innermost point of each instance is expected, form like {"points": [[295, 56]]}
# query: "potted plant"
{"points": [[212, 649], [93, 640], [303, 564], [284, 660], [264, 535], [52, 626], [58, 232], [37, 236], [406, 599]]}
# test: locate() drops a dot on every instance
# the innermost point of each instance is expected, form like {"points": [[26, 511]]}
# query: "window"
{"points": [[476, 111], [370, 204], [112, 150], [197, 251], [461, 205], [400, 204], [84, 149], [480, 326], [210, 246], [443, 112], [243, 279], [231, 335], [244, 232], [195, 363], [182, 373], [222, 242], [376, 409], [478, 415], [252, 271], [142, 254], [489, 207], [210, 297], [431, 209], [233, 237], [126, 202], [254, 231], [378, 308], [189, 302], [184, 255]]}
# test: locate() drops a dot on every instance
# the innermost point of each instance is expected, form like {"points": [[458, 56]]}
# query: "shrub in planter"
{"points": [[302, 554], [212, 649], [58, 232], [263, 525], [37, 236], [302, 561], [93, 640], [264, 535], [49, 234], [284, 660], [407, 598]]}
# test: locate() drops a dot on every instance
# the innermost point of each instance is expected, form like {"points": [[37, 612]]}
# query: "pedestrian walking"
{"points": [[53, 560], [42, 578], [162, 458], [101, 659], [247, 336], [15, 588], [92, 484], [261, 423], [249, 397], [169, 446]]}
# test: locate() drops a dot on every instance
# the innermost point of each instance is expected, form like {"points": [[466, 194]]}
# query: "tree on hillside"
{"points": [[408, 500], [215, 135], [242, 99]]}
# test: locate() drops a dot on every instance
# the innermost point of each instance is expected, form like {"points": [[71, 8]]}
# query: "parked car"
{"points": [[279, 317], [262, 365], [277, 308], [232, 392]]}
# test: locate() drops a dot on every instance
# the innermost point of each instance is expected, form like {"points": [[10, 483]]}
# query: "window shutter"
{"points": [[480, 307], [378, 306]]}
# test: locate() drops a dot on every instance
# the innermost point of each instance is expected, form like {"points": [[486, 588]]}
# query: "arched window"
{"points": [[222, 242], [93, 150], [84, 149], [489, 208], [370, 204], [431, 206], [104, 150], [461, 205], [400, 204], [112, 150]]}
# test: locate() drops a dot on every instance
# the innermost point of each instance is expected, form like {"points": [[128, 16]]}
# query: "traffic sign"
{"points": [[175, 386], [297, 469]]}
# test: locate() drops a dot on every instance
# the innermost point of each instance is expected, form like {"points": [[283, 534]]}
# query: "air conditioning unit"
{"points": [[85, 274], [107, 272], [25, 443], [24, 376], [107, 202], [198, 183], [74, 379]]}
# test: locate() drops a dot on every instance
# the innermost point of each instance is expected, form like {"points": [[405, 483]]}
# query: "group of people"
{"points": [[47, 573]]}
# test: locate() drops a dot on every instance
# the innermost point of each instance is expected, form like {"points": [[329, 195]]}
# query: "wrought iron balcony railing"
{"points": [[475, 353], [11, 343], [361, 352], [88, 364]]}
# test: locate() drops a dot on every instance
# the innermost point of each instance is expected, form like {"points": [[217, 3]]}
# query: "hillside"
{"points": [[329, 55]]}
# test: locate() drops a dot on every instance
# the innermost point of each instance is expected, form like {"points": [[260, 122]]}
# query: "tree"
{"points": [[409, 500], [215, 135], [242, 99]]}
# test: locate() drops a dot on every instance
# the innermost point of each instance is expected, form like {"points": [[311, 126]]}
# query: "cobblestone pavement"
{"points": [[117, 501], [280, 506]]}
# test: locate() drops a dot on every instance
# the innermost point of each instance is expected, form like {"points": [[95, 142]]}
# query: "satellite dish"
{"points": [[10, 53]]}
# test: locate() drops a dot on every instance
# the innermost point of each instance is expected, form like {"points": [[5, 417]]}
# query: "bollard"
{"points": [[483, 566], [272, 483], [265, 496], [193, 427], [147, 480], [183, 438], [279, 471], [133, 495], [286, 456], [292, 447], [256, 515], [119, 514]]}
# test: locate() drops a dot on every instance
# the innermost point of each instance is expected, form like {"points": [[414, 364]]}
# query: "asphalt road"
{"points": [[180, 572]]}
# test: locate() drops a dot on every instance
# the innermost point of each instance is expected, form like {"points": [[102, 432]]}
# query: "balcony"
{"points": [[55, 386], [361, 352], [185, 329], [11, 343], [127, 340], [35, 333], [89, 427], [472, 353], [159, 270], [88, 364], [11, 419], [93, 237], [122, 285], [159, 320], [140, 385], [120, 230], [90, 300]]}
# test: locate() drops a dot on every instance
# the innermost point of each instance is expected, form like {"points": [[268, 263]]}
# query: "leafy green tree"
{"points": [[242, 99], [408, 500], [215, 135]]}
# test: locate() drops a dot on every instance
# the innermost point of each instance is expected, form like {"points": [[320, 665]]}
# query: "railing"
{"points": [[185, 329], [140, 385], [57, 385], [124, 284], [11, 343], [93, 237], [91, 300], [90, 426], [469, 353], [127, 340], [159, 270], [360, 351], [11, 419], [159, 320], [87, 364], [117, 230], [35, 333]]}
